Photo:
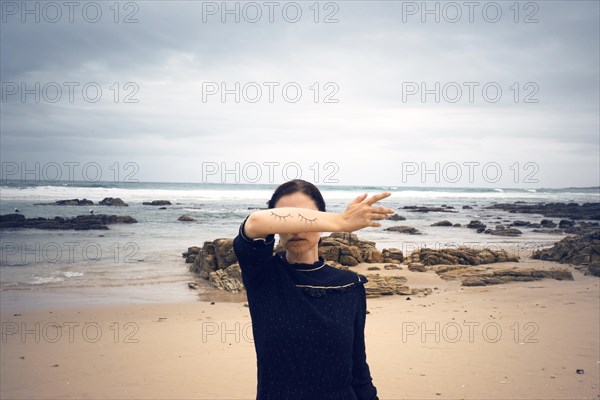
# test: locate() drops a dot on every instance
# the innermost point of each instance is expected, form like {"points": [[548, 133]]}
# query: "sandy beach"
{"points": [[520, 340]]}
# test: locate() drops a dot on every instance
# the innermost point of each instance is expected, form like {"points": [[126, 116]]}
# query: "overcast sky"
{"points": [[353, 110]]}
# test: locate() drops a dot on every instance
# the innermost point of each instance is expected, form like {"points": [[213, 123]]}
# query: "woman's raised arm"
{"points": [[359, 214]]}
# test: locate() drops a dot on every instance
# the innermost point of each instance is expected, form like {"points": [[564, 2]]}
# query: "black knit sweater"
{"points": [[308, 323]]}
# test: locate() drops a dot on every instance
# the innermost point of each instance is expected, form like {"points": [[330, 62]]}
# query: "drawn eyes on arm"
{"points": [[301, 218], [306, 220], [280, 217]]}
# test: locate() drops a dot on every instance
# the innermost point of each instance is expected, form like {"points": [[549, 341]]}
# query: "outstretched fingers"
{"points": [[383, 210], [359, 199], [375, 198]]}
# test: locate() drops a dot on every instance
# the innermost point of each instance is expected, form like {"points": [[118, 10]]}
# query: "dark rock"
{"points": [[80, 222], [396, 217], [185, 218], [582, 251], [565, 223], [442, 223], [475, 224], [72, 202], [555, 210], [109, 201], [594, 269], [157, 203], [521, 223], [423, 209], [12, 220], [457, 225], [404, 229], [501, 230], [550, 231], [75, 202], [546, 223], [582, 228], [467, 208], [191, 251]]}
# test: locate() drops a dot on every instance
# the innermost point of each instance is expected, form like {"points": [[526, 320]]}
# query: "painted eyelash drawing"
{"points": [[307, 220], [281, 217]]}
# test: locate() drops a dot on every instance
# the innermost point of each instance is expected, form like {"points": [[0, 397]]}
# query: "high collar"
{"points": [[302, 266]]}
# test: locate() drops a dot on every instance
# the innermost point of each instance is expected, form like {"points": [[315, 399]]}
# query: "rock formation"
{"points": [[459, 256], [557, 210], [583, 251], [403, 229], [157, 203], [110, 201], [482, 276], [80, 222], [71, 202]]}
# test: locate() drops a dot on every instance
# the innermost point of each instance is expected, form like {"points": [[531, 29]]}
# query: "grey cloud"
{"points": [[369, 53]]}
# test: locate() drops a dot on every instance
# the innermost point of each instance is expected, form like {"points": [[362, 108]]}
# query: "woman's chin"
{"points": [[294, 249], [297, 249]]}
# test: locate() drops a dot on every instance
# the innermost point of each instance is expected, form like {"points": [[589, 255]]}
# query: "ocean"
{"points": [[142, 262]]}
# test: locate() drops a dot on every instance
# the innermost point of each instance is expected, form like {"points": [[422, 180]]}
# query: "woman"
{"points": [[308, 318]]}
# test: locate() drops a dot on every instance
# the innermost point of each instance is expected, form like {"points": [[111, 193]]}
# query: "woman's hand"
{"points": [[361, 213]]}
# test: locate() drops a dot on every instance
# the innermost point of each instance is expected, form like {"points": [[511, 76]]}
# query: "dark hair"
{"points": [[294, 186]]}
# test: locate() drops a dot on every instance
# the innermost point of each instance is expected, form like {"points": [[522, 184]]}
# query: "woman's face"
{"points": [[298, 243]]}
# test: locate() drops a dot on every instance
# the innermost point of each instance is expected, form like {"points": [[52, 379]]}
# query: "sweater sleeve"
{"points": [[252, 254], [361, 375]]}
